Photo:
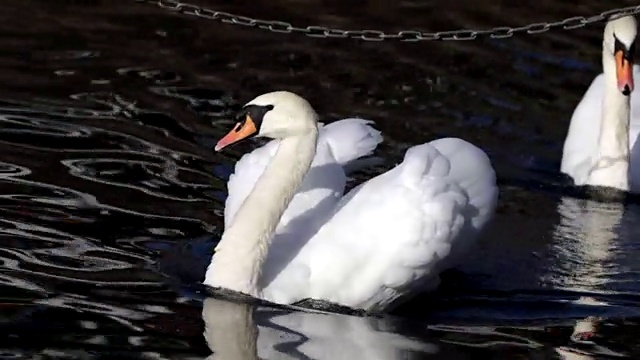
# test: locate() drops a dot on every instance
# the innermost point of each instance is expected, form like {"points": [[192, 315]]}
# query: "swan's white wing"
{"points": [[394, 234], [350, 139], [581, 143], [339, 143]]}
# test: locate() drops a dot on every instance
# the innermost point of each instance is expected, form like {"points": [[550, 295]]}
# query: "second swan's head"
{"points": [[619, 42], [274, 115]]}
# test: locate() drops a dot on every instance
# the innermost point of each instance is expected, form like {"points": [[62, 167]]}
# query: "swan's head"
{"points": [[619, 42], [274, 115]]}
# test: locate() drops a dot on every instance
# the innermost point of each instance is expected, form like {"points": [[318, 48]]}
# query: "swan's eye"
{"points": [[252, 113], [627, 52]]}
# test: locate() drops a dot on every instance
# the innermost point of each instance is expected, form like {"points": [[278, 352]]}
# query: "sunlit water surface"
{"points": [[111, 198]]}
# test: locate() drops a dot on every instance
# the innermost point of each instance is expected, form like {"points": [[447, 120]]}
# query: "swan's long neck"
{"points": [[242, 250], [610, 166]]}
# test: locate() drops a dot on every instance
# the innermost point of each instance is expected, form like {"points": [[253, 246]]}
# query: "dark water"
{"points": [[111, 198]]}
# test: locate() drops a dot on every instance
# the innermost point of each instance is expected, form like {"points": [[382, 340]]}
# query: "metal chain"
{"points": [[377, 35]]}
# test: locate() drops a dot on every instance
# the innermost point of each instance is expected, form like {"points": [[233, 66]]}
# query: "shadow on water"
{"points": [[111, 199]]}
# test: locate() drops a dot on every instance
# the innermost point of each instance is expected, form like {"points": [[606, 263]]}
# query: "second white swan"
{"points": [[290, 234], [601, 147]]}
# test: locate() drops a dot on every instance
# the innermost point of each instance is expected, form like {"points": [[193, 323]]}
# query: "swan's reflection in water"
{"points": [[585, 244], [592, 255], [237, 331], [230, 330], [594, 247], [591, 263]]}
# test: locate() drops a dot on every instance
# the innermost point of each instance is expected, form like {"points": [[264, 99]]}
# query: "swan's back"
{"points": [[391, 236]]}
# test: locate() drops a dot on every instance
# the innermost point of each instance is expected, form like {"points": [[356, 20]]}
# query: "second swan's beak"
{"points": [[624, 72], [242, 130]]}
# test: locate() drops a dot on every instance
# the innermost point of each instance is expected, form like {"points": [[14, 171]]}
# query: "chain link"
{"points": [[377, 35]]}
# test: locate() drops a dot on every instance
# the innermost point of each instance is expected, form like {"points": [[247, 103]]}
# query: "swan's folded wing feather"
{"points": [[395, 234], [470, 169], [350, 139], [582, 137]]}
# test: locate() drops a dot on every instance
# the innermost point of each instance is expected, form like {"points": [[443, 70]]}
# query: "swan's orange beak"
{"points": [[624, 72], [241, 131]]}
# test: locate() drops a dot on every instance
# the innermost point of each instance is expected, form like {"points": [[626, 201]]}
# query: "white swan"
{"points": [[371, 249], [600, 148]]}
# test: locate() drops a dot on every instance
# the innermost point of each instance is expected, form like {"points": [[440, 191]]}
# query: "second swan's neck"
{"points": [[242, 250], [610, 166]]}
